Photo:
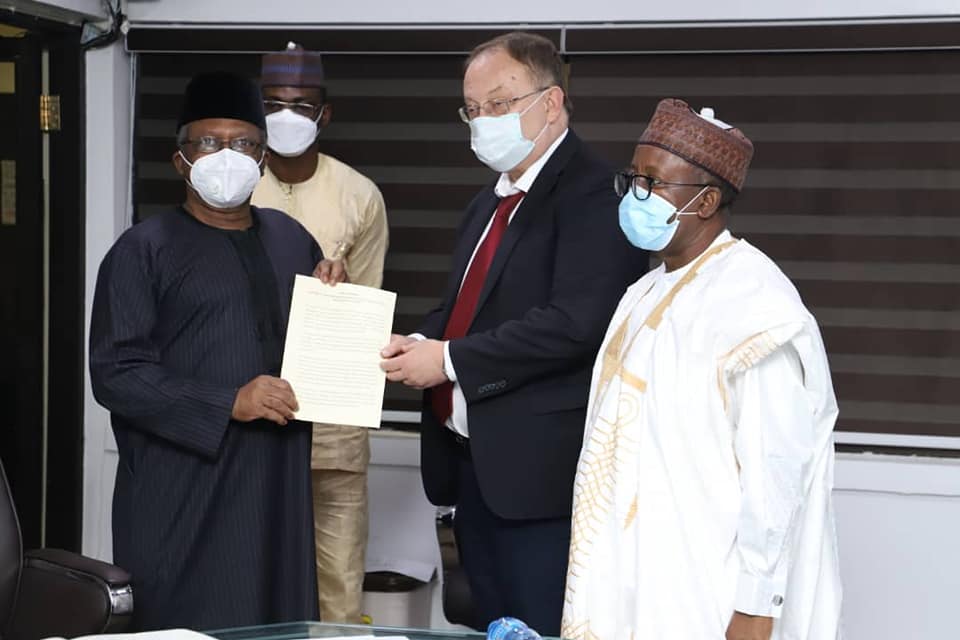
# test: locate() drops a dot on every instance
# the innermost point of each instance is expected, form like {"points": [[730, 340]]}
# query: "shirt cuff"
{"points": [[448, 369], [758, 596]]}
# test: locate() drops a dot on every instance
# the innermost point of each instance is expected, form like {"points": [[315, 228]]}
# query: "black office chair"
{"points": [[49, 592]]}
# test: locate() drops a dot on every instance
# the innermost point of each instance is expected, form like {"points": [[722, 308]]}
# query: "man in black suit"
{"points": [[538, 269]]}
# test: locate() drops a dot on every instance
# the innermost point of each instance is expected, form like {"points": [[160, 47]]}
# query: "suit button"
{"points": [[777, 601]]}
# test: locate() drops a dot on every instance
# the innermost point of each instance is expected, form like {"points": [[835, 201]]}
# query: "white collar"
{"points": [[725, 236], [506, 187], [676, 274]]}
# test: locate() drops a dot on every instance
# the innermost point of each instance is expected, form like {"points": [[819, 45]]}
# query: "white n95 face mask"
{"points": [[289, 134], [498, 141], [225, 179]]}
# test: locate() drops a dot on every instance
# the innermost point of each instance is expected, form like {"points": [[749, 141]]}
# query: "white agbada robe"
{"points": [[704, 483]]}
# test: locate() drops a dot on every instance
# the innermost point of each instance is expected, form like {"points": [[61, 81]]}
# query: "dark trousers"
{"points": [[515, 568]]}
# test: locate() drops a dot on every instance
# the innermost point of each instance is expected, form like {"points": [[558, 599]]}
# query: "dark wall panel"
{"points": [[853, 189]]}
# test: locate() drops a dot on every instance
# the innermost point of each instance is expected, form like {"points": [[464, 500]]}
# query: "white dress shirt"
{"points": [[457, 422]]}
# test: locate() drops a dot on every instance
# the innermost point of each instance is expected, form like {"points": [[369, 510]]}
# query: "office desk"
{"points": [[299, 630]]}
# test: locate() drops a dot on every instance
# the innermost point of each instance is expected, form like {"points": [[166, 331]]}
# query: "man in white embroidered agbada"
{"points": [[702, 506]]}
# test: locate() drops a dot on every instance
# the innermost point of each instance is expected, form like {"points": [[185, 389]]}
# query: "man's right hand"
{"points": [[331, 272], [265, 397], [396, 345], [746, 627]]}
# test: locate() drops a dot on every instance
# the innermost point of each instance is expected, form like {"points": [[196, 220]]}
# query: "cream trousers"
{"points": [[340, 528]]}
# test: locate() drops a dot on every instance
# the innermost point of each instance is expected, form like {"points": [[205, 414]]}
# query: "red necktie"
{"points": [[466, 304]]}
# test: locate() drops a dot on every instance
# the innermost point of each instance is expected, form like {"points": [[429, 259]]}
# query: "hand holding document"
{"points": [[331, 357]]}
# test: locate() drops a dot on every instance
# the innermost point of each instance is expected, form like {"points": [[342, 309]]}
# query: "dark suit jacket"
{"points": [[525, 365]]}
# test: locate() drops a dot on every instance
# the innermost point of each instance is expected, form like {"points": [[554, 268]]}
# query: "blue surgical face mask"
{"points": [[646, 223]]}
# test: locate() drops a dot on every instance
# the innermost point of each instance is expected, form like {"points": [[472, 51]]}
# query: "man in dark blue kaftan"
{"points": [[212, 504]]}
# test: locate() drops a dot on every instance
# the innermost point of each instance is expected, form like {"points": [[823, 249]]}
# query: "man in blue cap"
{"points": [[344, 211]]}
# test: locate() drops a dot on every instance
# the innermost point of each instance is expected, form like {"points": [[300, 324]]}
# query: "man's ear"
{"points": [[326, 115], [179, 164], [554, 99], [709, 203]]}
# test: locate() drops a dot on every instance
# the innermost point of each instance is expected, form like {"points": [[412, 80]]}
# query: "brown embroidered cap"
{"points": [[700, 139], [294, 67]]}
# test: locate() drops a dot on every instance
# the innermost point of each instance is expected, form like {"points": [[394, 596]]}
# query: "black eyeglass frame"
{"points": [[624, 181]]}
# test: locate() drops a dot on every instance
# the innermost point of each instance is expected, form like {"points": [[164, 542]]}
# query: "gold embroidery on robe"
{"points": [[594, 490], [656, 316], [631, 514], [611, 359], [742, 357], [578, 631], [636, 382]]}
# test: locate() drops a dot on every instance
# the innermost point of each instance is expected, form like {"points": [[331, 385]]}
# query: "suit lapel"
{"points": [[530, 206], [477, 218]]}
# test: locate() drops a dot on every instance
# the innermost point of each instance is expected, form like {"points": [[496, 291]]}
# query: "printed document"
{"points": [[332, 353]]}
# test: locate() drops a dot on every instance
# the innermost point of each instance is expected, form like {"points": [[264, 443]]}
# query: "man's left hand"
{"points": [[331, 271], [746, 627], [419, 364]]}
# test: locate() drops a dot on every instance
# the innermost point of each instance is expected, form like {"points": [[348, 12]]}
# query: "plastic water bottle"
{"points": [[511, 629]]}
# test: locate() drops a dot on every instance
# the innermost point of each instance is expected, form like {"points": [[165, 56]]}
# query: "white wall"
{"points": [[301, 12], [109, 144], [898, 522]]}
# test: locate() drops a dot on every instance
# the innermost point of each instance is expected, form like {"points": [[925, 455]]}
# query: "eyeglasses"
{"points": [[306, 109], [212, 144], [498, 107], [642, 185]]}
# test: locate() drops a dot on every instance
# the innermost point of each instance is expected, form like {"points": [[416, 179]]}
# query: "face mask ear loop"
{"points": [[681, 211], [537, 137], [189, 164], [323, 108], [545, 124], [530, 106]]}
